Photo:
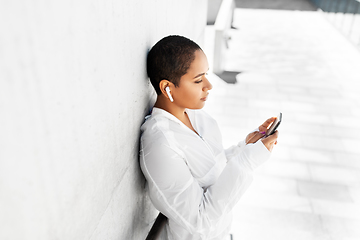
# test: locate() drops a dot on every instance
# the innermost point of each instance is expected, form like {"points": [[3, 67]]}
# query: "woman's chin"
{"points": [[197, 107]]}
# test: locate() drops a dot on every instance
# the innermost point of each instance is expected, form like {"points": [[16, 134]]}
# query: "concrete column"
{"points": [[73, 94]]}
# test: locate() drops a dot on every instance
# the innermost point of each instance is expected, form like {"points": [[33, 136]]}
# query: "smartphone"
{"points": [[274, 125]]}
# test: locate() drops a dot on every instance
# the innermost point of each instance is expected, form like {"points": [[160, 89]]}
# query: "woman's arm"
{"points": [[175, 192]]}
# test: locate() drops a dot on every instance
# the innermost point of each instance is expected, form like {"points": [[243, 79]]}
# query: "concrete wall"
{"points": [[73, 94]]}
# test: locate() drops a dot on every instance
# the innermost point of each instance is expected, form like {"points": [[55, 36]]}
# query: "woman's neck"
{"points": [[178, 112], [165, 104]]}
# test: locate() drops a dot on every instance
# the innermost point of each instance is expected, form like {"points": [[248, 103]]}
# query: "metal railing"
{"points": [[344, 15]]}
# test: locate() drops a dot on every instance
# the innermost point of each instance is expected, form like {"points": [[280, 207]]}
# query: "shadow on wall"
{"points": [[228, 76], [299, 5]]}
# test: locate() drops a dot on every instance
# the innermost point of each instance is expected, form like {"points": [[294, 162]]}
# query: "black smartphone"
{"points": [[274, 125]]}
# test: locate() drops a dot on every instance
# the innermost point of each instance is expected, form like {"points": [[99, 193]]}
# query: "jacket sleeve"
{"points": [[175, 192], [236, 149]]}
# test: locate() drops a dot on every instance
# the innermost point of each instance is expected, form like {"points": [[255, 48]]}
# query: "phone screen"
{"points": [[274, 125]]}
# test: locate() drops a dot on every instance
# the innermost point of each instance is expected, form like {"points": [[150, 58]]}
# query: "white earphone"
{"points": [[167, 89]]}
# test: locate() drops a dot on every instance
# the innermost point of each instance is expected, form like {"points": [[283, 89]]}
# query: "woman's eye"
{"points": [[198, 81]]}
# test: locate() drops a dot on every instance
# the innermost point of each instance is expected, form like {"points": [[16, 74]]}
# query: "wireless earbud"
{"points": [[167, 89]]}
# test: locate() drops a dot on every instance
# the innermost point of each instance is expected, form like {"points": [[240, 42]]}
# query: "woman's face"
{"points": [[194, 86]]}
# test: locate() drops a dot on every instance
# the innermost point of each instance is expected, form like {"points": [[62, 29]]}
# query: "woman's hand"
{"points": [[264, 127], [269, 141]]}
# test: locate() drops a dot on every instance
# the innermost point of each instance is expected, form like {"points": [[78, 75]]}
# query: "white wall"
{"points": [[73, 94]]}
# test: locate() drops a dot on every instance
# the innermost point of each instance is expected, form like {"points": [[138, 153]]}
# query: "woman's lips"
{"points": [[204, 98]]}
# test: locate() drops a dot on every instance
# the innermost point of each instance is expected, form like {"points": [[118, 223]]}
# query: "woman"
{"points": [[192, 180]]}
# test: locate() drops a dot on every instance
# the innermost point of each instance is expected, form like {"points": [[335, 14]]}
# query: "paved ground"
{"points": [[297, 63]]}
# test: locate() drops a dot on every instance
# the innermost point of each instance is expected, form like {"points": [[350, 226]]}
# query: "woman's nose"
{"points": [[208, 85]]}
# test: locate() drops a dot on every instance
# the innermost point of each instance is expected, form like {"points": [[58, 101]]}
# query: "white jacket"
{"points": [[192, 180]]}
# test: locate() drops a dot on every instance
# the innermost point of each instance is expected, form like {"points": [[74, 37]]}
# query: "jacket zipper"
{"points": [[206, 144]]}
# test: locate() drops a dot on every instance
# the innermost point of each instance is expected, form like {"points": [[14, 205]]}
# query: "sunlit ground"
{"points": [[297, 63]]}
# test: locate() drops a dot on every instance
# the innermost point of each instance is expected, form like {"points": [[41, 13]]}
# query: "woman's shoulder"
{"points": [[160, 127], [159, 133], [155, 125]]}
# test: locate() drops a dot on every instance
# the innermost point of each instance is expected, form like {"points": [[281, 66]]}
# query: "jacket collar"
{"points": [[163, 113]]}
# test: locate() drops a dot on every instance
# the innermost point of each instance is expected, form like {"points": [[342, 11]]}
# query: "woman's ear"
{"points": [[165, 88]]}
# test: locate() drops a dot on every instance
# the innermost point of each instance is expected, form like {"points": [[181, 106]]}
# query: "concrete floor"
{"points": [[297, 63]]}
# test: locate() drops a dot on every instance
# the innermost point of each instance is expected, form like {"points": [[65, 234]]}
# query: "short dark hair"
{"points": [[170, 59]]}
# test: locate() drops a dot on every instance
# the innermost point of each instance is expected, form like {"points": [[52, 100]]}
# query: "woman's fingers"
{"points": [[271, 141], [254, 137], [250, 136], [266, 124]]}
